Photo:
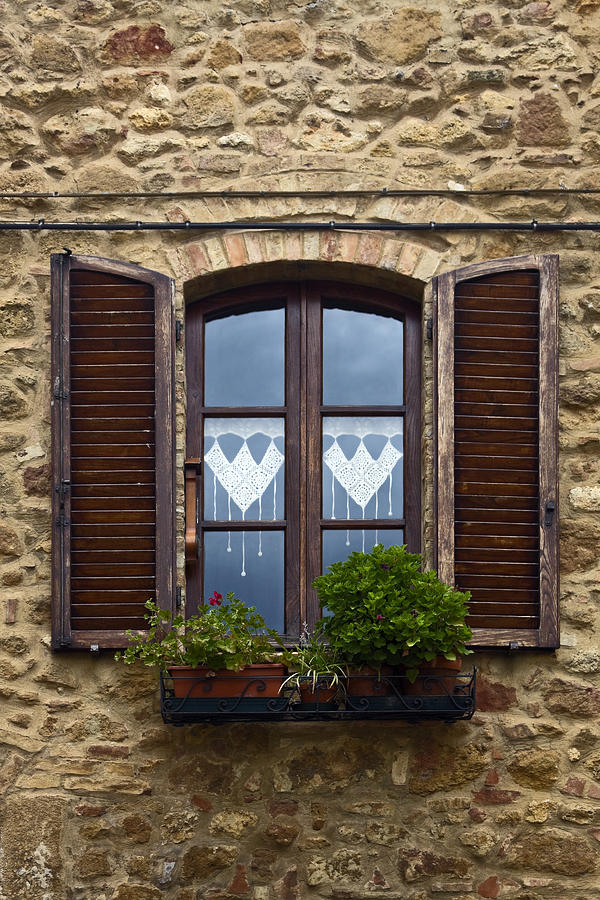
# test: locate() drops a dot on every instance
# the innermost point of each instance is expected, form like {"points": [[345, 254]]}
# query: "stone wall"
{"points": [[102, 801]]}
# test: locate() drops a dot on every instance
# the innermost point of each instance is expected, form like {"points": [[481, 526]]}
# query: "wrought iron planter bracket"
{"points": [[443, 698]]}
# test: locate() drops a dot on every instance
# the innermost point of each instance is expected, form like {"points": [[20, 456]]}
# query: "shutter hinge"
{"points": [[549, 513], [63, 487], [62, 521], [178, 597], [178, 330], [429, 329]]}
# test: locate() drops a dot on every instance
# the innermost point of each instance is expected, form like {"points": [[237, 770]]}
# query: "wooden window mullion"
{"points": [[412, 430], [313, 463], [293, 560]]}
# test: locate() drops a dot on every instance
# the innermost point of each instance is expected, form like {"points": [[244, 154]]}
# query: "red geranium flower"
{"points": [[216, 599]]}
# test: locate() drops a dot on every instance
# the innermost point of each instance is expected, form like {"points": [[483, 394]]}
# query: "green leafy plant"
{"points": [[225, 634], [380, 608], [315, 663]]}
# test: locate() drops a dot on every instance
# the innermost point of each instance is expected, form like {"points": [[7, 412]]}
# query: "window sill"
{"points": [[447, 699]]}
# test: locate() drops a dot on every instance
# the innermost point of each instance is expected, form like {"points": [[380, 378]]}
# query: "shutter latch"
{"points": [[193, 468], [549, 515]]}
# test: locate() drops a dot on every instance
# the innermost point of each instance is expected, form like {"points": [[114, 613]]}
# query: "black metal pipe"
{"points": [[533, 225], [228, 195]]}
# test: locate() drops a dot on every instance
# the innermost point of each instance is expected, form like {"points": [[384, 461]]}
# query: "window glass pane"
{"points": [[249, 563], [363, 471], [338, 545], [244, 359], [362, 358], [244, 471]]}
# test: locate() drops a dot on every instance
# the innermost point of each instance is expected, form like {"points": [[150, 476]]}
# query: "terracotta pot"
{"points": [[369, 682], [322, 696], [436, 678], [260, 680]]}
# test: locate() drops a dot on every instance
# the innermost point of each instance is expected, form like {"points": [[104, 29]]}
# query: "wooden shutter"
{"points": [[496, 410], [112, 418]]}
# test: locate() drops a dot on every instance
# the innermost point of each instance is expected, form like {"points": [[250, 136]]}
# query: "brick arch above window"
{"points": [[240, 258]]}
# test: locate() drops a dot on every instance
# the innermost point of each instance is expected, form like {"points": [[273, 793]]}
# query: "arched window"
{"points": [[303, 444], [303, 414]]}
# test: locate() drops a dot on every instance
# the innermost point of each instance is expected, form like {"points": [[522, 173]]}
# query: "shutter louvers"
{"points": [[497, 446], [112, 373]]}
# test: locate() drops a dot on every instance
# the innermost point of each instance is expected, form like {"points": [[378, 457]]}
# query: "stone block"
{"points": [[535, 768], [273, 41], [401, 37], [385, 833], [137, 828], [32, 861], [586, 498], [232, 822], [53, 54], [443, 767], [480, 841], [209, 106], [578, 700], [494, 696], [86, 131], [20, 741], [201, 861], [414, 864], [137, 43], [553, 850], [282, 833], [541, 122], [148, 118], [580, 545]]}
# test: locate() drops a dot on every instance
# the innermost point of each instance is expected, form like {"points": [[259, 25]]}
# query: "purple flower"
{"points": [[380, 618]]}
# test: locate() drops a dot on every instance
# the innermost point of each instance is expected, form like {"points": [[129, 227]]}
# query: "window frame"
{"points": [[303, 412]]}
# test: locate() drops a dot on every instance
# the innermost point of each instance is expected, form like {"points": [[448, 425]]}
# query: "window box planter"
{"points": [[253, 688], [453, 699], [435, 677], [370, 687]]}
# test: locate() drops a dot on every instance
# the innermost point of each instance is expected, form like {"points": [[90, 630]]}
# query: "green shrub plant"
{"points": [[380, 608], [225, 634]]}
